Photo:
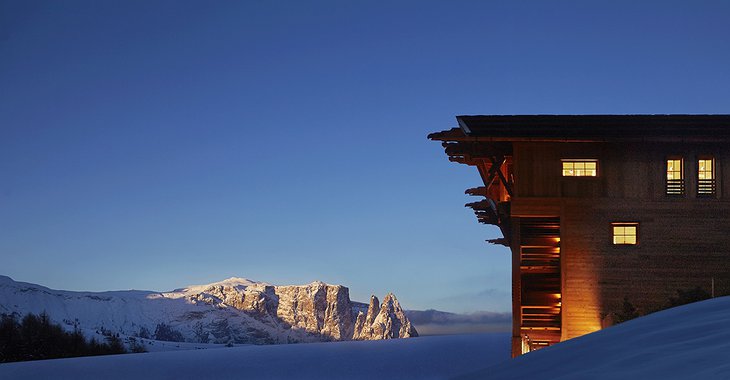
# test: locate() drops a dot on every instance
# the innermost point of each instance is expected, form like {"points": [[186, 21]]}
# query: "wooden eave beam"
{"points": [[476, 191], [464, 160], [456, 134], [484, 205], [453, 134], [476, 150], [499, 241], [659, 139]]}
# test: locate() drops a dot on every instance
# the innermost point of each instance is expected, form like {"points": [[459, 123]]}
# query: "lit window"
{"points": [[675, 177], [624, 233], [705, 177], [674, 169], [580, 168]]}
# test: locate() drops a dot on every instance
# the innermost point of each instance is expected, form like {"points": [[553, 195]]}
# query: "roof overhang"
{"points": [[589, 128]]}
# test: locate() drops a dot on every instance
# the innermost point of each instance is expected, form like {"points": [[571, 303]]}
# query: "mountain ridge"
{"points": [[234, 310]]}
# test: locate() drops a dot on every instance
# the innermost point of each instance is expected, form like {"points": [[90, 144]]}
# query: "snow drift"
{"points": [[685, 342]]}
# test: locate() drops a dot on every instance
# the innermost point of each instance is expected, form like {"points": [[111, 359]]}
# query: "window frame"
{"points": [[713, 180], [563, 161], [624, 224], [674, 187]]}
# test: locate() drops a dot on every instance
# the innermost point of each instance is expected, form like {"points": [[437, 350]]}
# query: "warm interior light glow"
{"points": [[705, 169], [580, 168], [675, 177], [624, 233], [674, 169], [705, 177]]}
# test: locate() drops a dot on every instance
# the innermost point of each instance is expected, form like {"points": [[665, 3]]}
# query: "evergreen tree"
{"points": [[35, 337], [167, 333]]}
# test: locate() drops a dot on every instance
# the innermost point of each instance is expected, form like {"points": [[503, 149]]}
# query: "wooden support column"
{"points": [[516, 290]]}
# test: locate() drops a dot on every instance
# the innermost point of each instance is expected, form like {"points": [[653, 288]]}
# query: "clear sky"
{"points": [[155, 144]]}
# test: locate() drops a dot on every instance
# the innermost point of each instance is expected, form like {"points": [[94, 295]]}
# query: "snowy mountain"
{"points": [[235, 310], [686, 342]]}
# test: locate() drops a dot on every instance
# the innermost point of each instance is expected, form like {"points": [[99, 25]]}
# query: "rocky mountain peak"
{"points": [[386, 321], [373, 309], [233, 310]]}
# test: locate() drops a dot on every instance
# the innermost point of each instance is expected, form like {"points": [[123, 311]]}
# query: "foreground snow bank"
{"points": [[687, 342], [434, 357]]}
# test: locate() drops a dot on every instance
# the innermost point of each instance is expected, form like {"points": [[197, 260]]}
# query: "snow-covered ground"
{"points": [[435, 357], [688, 342]]}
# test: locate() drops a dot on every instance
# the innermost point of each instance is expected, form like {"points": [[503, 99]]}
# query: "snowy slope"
{"points": [[686, 342], [437, 357], [124, 312]]}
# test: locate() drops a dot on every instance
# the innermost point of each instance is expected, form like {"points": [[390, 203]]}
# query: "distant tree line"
{"points": [[35, 337], [167, 333]]}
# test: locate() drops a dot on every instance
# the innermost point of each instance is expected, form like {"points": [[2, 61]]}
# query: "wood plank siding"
{"points": [[683, 241]]}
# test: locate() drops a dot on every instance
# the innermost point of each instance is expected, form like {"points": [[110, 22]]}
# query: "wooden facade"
{"points": [[663, 176]]}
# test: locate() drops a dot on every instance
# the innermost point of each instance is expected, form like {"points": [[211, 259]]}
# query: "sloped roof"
{"points": [[589, 127]]}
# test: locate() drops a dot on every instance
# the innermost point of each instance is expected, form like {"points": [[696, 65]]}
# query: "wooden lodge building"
{"points": [[597, 209]]}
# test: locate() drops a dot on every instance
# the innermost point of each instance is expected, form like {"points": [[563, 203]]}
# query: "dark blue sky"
{"points": [[156, 144]]}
